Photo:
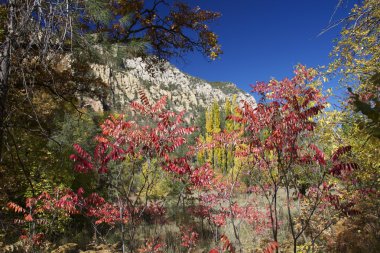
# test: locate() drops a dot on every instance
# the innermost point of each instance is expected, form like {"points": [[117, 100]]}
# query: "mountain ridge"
{"points": [[157, 78]]}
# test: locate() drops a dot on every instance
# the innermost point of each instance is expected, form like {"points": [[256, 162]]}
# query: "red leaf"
{"points": [[16, 208], [340, 151], [338, 169], [28, 218], [144, 98], [272, 246]]}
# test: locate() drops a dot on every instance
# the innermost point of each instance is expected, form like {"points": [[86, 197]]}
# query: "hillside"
{"points": [[185, 92]]}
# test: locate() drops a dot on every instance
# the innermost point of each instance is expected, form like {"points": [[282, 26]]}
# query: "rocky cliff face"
{"points": [[157, 79]]}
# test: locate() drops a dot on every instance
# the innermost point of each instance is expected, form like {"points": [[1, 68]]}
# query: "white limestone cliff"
{"points": [[160, 78]]}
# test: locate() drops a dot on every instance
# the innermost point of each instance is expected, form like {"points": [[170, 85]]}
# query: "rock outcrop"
{"points": [[159, 78]]}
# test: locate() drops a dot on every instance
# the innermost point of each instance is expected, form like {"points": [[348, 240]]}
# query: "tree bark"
{"points": [[4, 87], [4, 74]]}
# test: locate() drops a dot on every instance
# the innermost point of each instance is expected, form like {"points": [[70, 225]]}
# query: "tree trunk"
{"points": [[122, 226], [4, 87], [4, 74]]}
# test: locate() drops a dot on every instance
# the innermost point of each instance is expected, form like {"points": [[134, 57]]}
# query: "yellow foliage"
{"points": [[338, 128], [154, 181]]}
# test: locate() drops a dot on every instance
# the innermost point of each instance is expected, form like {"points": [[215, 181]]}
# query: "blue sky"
{"points": [[266, 38]]}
